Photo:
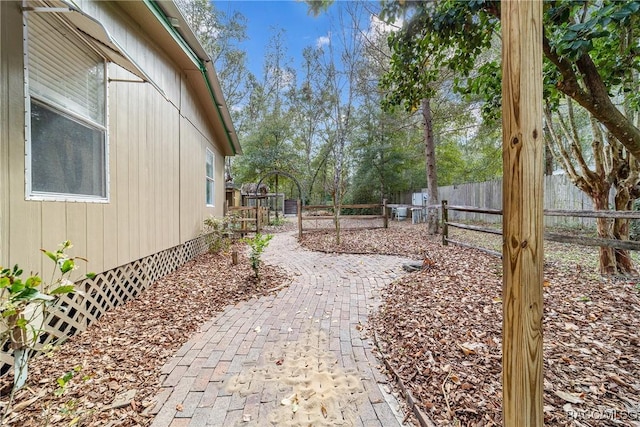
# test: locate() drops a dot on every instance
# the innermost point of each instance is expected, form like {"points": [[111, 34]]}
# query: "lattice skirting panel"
{"points": [[74, 313]]}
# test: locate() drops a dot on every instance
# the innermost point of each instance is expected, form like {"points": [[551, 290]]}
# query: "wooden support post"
{"points": [[385, 219], [445, 223], [522, 204], [299, 219], [258, 215]]}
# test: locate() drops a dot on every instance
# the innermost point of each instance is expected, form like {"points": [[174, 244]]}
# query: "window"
{"points": [[67, 138], [209, 179]]}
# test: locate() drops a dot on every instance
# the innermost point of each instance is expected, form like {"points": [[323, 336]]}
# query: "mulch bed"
{"points": [[440, 330], [120, 356]]}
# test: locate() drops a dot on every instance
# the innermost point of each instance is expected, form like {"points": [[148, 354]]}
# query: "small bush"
{"points": [[277, 222], [24, 304], [257, 244], [219, 232]]}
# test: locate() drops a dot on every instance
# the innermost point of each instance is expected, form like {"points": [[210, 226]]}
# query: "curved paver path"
{"points": [[302, 344]]}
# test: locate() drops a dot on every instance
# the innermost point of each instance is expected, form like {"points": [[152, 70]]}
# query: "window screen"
{"points": [[67, 100], [67, 156]]}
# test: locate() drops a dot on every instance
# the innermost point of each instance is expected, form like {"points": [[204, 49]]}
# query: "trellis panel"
{"points": [[75, 312]]}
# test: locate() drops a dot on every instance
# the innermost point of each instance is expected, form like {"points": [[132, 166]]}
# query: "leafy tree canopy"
{"points": [[590, 47]]}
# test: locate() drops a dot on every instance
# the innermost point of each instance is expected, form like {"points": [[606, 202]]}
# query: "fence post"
{"points": [[385, 219], [522, 207], [299, 219], [445, 223], [258, 215]]}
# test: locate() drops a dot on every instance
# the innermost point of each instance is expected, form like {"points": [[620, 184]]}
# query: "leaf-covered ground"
{"points": [[117, 360], [440, 330]]}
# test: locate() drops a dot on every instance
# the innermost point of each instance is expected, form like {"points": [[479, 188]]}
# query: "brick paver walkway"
{"points": [[303, 344]]}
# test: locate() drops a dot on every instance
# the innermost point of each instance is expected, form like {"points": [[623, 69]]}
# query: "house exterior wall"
{"points": [[4, 135], [156, 169]]}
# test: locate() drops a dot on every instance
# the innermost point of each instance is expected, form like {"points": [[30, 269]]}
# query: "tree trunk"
{"points": [[623, 260], [276, 207], [591, 92], [603, 225], [336, 216], [430, 160], [548, 161]]}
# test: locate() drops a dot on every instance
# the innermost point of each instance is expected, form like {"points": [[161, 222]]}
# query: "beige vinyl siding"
{"points": [[135, 138], [4, 140], [23, 221], [77, 232], [144, 171], [95, 248], [156, 167], [119, 140], [189, 173], [54, 228], [192, 170]]}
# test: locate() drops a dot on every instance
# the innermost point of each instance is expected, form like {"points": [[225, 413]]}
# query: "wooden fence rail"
{"points": [[553, 237], [249, 218], [325, 212], [559, 193]]}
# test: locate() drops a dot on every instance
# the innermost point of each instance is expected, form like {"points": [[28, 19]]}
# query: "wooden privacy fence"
{"points": [[322, 213], [249, 218], [559, 193], [554, 237]]}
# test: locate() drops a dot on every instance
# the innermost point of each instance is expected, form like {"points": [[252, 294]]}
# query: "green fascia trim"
{"points": [[164, 20]]}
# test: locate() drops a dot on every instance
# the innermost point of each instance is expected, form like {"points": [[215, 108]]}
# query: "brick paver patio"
{"points": [[302, 347]]}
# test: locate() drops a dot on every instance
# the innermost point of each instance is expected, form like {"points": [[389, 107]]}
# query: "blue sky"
{"points": [[264, 17]]}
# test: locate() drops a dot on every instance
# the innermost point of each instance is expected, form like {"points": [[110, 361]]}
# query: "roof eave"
{"points": [[209, 90]]}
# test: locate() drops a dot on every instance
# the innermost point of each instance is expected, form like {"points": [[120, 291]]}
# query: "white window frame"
{"points": [[210, 180], [30, 194]]}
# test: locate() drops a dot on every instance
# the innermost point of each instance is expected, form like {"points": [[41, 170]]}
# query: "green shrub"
{"points": [[22, 302], [24, 305], [257, 244], [219, 232], [277, 222]]}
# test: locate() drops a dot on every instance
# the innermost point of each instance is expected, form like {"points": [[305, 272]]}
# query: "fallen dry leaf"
{"points": [[425, 312], [126, 348], [458, 301], [289, 400], [469, 348], [568, 397]]}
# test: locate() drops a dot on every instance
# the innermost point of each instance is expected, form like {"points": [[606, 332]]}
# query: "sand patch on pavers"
{"points": [[308, 385]]}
